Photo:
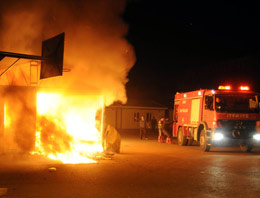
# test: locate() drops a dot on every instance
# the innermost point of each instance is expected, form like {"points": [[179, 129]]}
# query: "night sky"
{"points": [[187, 45]]}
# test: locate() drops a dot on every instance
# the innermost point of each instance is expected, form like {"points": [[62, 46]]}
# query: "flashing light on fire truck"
{"points": [[244, 88], [226, 87]]}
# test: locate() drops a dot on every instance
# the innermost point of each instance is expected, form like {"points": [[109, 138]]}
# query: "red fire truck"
{"points": [[217, 117]]}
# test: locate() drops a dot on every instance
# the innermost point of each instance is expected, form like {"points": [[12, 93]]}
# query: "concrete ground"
{"points": [[145, 168]]}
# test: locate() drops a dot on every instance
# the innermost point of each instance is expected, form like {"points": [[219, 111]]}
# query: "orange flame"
{"points": [[67, 128], [7, 119]]}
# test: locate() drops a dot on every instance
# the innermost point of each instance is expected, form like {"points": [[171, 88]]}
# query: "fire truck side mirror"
{"points": [[209, 102]]}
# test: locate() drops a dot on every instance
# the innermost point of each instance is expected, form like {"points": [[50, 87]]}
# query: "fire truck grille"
{"points": [[238, 129]]}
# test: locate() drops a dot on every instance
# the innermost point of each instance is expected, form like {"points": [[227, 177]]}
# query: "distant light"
{"points": [[244, 88], [213, 91], [199, 93], [227, 87], [185, 95]]}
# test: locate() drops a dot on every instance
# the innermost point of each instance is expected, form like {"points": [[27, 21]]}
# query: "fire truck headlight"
{"points": [[257, 137], [218, 136]]}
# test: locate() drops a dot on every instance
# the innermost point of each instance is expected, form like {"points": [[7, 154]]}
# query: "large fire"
{"points": [[69, 127], [97, 57]]}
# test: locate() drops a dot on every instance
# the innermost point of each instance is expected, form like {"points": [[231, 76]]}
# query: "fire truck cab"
{"points": [[217, 117]]}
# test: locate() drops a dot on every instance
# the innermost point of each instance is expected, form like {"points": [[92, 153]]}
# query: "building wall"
{"points": [[127, 117], [1, 116], [18, 106]]}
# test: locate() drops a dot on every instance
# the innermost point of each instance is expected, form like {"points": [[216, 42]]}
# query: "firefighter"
{"points": [[164, 127], [142, 128], [160, 130], [160, 123], [219, 103]]}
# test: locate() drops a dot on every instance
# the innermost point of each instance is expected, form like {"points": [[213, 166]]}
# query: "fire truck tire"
{"points": [[182, 140], [246, 148], [203, 141]]}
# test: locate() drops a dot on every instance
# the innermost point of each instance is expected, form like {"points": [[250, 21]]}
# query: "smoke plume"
{"points": [[96, 51]]}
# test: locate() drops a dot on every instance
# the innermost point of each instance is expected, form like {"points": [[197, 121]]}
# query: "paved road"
{"points": [[143, 169]]}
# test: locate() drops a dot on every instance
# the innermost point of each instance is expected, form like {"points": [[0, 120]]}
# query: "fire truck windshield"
{"points": [[237, 103]]}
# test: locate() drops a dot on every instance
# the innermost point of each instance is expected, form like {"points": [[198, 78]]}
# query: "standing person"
{"points": [[148, 127], [153, 124], [163, 127], [160, 124], [166, 127], [160, 127], [142, 127]]}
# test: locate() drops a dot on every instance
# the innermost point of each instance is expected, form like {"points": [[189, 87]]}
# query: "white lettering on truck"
{"points": [[183, 110]]}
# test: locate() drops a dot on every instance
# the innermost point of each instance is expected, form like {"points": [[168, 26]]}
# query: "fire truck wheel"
{"points": [[182, 140], [246, 147], [203, 142]]}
